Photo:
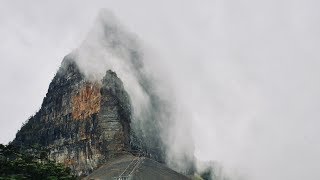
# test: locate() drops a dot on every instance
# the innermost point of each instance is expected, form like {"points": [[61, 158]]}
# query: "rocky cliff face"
{"points": [[82, 123]]}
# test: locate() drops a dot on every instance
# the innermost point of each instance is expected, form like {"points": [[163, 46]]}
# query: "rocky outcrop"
{"points": [[82, 123]]}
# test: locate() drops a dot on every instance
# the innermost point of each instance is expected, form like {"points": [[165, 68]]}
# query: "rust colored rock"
{"points": [[86, 102]]}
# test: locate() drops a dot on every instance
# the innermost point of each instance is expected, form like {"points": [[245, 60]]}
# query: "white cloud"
{"points": [[247, 71]]}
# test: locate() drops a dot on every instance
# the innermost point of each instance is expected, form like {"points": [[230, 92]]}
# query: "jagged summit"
{"points": [[82, 123], [102, 104]]}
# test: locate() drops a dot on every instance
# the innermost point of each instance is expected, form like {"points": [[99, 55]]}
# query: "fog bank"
{"points": [[109, 45], [244, 74]]}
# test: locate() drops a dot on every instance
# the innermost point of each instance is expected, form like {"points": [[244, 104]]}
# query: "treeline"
{"points": [[32, 164]]}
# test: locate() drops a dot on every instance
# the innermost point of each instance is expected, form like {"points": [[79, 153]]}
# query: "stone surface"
{"points": [[82, 123], [135, 168]]}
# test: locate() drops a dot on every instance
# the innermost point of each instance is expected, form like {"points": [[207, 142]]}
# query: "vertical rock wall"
{"points": [[82, 123]]}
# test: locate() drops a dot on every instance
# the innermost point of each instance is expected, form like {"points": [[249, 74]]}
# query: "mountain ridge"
{"points": [[83, 123]]}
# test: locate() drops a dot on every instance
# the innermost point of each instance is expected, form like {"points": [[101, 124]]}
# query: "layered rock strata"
{"points": [[82, 123]]}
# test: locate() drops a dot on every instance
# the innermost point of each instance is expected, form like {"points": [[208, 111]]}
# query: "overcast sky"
{"points": [[247, 71]]}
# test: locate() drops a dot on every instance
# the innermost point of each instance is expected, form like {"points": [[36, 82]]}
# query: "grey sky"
{"points": [[247, 71]]}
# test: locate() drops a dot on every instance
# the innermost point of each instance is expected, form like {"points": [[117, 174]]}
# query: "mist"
{"points": [[243, 77], [109, 45]]}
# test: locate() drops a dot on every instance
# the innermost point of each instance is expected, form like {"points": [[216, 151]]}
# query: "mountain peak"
{"points": [[83, 123]]}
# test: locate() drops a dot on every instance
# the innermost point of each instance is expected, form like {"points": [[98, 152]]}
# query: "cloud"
{"points": [[246, 72]]}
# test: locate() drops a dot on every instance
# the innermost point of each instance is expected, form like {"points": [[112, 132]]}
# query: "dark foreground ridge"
{"points": [[134, 168], [85, 124]]}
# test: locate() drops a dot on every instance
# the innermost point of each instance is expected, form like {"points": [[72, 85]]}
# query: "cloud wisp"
{"points": [[155, 118]]}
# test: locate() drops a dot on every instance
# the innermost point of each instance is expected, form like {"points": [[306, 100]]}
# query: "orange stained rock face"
{"points": [[69, 162], [86, 102]]}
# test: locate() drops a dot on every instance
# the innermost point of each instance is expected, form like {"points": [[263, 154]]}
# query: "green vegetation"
{"points": [[31, 164], [207, 175]]}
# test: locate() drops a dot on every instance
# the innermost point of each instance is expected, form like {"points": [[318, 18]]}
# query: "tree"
{"points": [[34, 164]]}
